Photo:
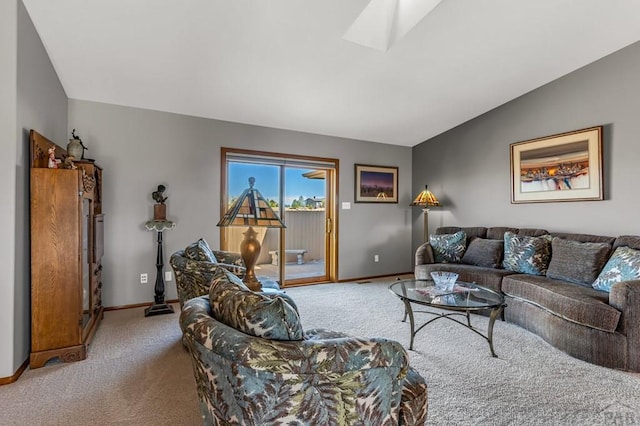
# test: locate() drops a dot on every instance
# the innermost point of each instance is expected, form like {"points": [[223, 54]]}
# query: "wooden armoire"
{"points": [[67, 241]]}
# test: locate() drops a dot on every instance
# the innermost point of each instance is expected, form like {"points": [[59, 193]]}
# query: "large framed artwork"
{"points": [[376, 184], [564, 167]]}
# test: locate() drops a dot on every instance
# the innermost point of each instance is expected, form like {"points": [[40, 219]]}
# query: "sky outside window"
{"points": [[268, 181]]}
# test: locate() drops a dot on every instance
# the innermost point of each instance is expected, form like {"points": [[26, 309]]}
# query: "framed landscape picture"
{"points": [[376, 184], [564, 167]]}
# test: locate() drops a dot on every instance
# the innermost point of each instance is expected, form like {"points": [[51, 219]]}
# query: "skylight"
{"points": [[384, 22]]}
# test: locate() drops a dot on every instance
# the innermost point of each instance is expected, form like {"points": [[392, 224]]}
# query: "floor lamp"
{"points": [[251, 209], [426, 199]]}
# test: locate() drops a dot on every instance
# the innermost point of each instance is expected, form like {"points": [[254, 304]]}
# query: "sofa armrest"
{"points": [[625, 296], [424, 255], [318, 353]]}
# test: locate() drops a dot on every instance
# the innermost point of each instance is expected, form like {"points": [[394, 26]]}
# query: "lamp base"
{"points": [[250, 251], [158, 309], [426, 224], [253, 284]]}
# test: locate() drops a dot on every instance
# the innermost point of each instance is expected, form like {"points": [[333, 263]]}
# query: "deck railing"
{"points": [[305, 230]]}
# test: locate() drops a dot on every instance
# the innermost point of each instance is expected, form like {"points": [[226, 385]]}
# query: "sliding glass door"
{"points": [[301, 191]]}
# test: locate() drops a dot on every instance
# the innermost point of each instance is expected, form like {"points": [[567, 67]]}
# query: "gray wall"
{"points": [[140, 149], [468, 166], [31, 96], [8, 142]]}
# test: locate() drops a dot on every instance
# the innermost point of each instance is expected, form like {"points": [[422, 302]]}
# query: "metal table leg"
{"points": [[408, 310], [495, 312]]}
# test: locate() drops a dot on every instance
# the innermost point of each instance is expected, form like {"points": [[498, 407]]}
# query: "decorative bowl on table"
{"points": [[444, 281]]}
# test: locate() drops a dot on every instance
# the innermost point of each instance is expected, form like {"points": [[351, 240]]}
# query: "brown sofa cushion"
{"points": [[470, 231], [577, 262], [497, 232], [532, 232], [632, 241], [485, 253], [575, 303], [584, 238]]}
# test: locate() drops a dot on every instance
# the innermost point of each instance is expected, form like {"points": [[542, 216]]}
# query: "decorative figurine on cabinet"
{"points": [[68, 163], [53, 162]]}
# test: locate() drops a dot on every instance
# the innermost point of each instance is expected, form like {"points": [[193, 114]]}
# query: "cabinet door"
{"points": [[98, 250], [56, 259], [87, 303], [98, 238]]}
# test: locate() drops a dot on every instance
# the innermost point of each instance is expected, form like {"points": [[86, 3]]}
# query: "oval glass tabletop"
{"points": [[464, 296]]}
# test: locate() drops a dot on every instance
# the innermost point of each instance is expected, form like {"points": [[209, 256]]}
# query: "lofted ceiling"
{"points": [[285, 64]]}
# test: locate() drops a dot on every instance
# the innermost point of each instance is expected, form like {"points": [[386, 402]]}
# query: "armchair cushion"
{"points": [[201, 251], [193, 277], [230, 258], [269, 317]]}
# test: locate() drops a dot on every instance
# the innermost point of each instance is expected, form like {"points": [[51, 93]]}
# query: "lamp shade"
{"points": [[251, 209], [425, 199]]}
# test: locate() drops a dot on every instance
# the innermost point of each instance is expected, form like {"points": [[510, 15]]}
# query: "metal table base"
{"points": [[495, 312]]}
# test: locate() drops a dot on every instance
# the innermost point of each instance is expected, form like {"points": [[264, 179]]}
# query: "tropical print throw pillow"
{"points": [[526, 255], [253, 313], [448, 247], [624, 265]]}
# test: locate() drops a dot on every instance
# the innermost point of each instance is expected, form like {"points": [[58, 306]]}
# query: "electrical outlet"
{"points": [[376, 258], [144, 278], [167, 276]]}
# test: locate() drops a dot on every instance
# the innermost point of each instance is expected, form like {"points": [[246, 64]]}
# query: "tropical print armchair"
{"points": [[273, 373], [195, 266]]}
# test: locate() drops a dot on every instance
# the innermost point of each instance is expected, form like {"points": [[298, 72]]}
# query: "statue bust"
{"points": [[157, 195]]}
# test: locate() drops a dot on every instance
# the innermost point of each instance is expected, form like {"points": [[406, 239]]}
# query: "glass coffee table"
{"points": [[461, 301]]}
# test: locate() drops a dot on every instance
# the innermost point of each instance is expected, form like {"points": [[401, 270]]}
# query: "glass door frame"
{"points": [[331, 208]]}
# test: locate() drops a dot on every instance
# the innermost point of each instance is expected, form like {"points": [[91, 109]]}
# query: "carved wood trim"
{"points": [[39, 150], [68, 354], [88, 182]]}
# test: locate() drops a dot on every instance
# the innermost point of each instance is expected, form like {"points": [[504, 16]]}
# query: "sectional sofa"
{"points": [[579, 292]]}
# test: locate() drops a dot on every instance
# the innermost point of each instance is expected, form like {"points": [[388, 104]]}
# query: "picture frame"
{"points": [[376, 184], [562, 167]]}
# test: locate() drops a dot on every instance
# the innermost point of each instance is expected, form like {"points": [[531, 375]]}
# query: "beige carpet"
{"points": [[530, 383], [137, 372]]}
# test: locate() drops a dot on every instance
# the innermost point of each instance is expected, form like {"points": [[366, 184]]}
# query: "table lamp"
{"points": [[251, 209], [426, 199]]}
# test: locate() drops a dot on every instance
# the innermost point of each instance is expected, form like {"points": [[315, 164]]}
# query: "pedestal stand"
{"points": [[159, 306]]}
